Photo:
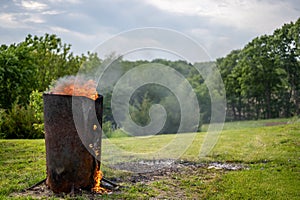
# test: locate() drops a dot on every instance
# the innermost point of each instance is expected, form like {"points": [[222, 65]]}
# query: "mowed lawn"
{"points": [[271, 153]]}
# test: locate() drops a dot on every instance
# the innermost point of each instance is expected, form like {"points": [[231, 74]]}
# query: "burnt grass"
{"points": [[165, 179], [157, 178], [149, 170]]}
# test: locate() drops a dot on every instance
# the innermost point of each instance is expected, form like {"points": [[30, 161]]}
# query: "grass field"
{"points": [[271, 153]]}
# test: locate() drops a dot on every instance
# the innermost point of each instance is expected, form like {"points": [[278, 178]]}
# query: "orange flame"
{"points": [[84, 88], [97, 187]]}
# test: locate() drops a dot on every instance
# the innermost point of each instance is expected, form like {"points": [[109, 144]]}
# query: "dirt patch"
{"points": [[275, 123], [145, 166], [41, 191], [153, 170], [154, 166]]}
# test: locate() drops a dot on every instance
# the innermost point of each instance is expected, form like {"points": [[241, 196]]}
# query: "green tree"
{"points": [[33, 64], [17, 72], [52, 59], [231, 73], [30, 66], [262, 79], [286, 42]]}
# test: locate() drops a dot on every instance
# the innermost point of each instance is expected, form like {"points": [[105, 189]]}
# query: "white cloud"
{"points": [[81, 41], [256, 16], [66, 1], [219, 25], [52, 12], [20, 20], [191, 7], [33, 5], [9, 20], [59, 29], [33, 19]]}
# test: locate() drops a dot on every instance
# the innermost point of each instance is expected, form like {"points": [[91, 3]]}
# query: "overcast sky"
{"points": [[218, 25]]}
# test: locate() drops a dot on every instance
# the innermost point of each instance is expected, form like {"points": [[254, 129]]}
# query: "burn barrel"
{"points": [[69, 141]]}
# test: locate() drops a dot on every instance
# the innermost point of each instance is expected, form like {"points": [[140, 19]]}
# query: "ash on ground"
{"points": [[148, 166], [149, 170]]}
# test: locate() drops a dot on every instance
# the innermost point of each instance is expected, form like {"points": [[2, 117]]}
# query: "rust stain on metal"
{"points": [[70, 166]]}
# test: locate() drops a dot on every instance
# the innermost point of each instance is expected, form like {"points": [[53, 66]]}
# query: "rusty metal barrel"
{"points": [[70, 165]]}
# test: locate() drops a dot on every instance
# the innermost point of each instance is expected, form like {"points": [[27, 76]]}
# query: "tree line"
{"points": [[261, 81], [27, 69], [149, 94]]}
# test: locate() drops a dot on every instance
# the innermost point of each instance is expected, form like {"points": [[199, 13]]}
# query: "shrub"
{"points": [[107, 129], [109, 132], [36, 103], [17, 123]]}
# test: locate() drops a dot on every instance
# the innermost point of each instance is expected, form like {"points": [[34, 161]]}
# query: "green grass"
{"points": [[22, 164], [272, 154], [251, 123]]}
